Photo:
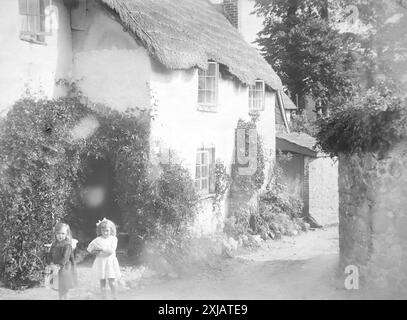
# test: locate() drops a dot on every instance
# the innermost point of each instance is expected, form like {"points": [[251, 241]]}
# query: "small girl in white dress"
{"points": [[105, 267]]}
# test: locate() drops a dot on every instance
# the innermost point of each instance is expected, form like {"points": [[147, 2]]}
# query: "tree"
{"points": [[387, 39], [301, 123], [311, 56], [377, 28]]}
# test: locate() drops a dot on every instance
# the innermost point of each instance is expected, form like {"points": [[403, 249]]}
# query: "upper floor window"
{"points": [[208, 87], [205, 171], [35, 20], [257, 96]]}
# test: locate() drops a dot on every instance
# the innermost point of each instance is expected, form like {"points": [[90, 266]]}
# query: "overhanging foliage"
{"points": [[372, 122]]}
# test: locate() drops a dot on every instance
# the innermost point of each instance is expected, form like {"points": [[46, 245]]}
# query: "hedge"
{"points": [[372, 122]]}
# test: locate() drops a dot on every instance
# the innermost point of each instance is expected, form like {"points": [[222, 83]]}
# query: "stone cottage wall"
{"points": [[373, 217], [321, 186], [1, 253]]}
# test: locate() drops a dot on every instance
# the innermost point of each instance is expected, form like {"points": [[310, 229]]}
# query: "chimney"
{"points": [[231, 11]]}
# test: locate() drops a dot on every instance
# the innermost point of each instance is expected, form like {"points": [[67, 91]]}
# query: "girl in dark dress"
{"points": [[61, 254]]}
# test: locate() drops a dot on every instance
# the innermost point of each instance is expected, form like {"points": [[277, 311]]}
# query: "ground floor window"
{"points": [[35, 20], [204, 170]]}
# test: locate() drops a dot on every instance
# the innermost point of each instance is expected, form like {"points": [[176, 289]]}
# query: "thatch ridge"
{"points": [[182, 34]]}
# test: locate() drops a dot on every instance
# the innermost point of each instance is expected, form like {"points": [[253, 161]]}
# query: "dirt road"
{"points": [[301, 267]]}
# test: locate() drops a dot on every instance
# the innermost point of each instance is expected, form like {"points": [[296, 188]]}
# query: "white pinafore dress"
{"points": [[105, 267]]}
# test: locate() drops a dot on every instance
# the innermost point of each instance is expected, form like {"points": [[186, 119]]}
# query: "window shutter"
{"points": [[22, 7], [212, 177]]}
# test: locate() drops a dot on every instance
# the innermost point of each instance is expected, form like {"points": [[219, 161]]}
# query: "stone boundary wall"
{"points": [[373, 217], [1, 254]]}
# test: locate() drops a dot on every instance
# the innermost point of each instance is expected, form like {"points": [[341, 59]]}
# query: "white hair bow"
{"points": [[99, 222], [74, 243]]}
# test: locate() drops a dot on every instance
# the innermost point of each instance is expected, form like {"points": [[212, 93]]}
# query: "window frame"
{"points": [[253, 99], [210, 171], [37, 33], [211, 105]]}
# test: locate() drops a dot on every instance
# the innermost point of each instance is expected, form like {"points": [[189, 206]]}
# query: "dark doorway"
{"points": [[97, 198]]}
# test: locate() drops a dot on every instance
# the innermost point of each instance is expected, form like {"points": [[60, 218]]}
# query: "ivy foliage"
{"points": [[372, 122], [222, 184], [42, 163], [46, 146], [244, 188], [33, 184], [249, 183]]}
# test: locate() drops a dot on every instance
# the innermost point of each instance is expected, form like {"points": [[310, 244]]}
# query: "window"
{"points": [[208, 87], [205, 171], [256, 96], [35, 20]]}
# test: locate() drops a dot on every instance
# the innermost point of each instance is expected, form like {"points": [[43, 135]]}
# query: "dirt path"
{"points": [[301, 267]]}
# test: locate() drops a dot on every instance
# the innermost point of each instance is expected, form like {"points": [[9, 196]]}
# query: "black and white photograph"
{"points": [[203, 150]]}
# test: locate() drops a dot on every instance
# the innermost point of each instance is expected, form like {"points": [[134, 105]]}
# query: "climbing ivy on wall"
{"points": [[46, 145], [244, 188], [222, 184], [42, 164], [255, 181]]}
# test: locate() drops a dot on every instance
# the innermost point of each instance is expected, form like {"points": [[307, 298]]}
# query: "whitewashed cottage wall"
{"points": [[180, 126], [108, 64], [28, 65]]}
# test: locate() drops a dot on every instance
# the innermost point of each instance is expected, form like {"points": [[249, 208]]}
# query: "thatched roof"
{"points": [[183, 34]]}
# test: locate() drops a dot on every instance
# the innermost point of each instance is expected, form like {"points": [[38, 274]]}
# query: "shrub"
{"points": [[279, 212], [222, 184], [167, 248], [34, 170], [169, 204], [372, 122], [237, 224], [176, 196]]}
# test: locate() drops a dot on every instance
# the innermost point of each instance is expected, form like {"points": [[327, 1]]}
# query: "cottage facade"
{"points": [[181, 58], [309, 175]]}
